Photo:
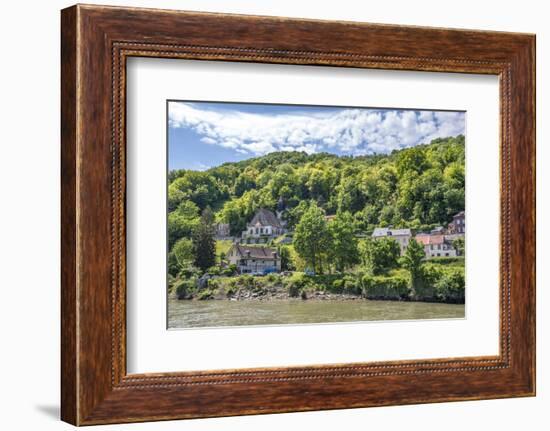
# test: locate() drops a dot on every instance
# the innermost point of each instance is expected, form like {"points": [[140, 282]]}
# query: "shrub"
{"points": [[451, 287], [424, 286], [246, 281], [184, 288], [188, 272], [173, 265], [213, 284], [381, 287], [273, 278], [227, 272], [214, 270], [337, 286], [295, 284], [205, 294], [352, 286]]}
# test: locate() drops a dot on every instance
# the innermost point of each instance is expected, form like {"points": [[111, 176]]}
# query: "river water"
{"points": [[194, 314]]}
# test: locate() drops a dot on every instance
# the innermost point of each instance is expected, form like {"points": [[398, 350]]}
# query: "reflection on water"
{"points": [[193, 314]]}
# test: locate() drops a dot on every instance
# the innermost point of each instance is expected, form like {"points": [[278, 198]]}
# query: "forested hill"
{"points": [[417, 187]]}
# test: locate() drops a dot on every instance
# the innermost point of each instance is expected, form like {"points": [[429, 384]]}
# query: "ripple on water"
{"points": [[194, 314]]}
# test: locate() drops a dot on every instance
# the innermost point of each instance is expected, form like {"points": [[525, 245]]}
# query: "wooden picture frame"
{"points": [[95, 43]]}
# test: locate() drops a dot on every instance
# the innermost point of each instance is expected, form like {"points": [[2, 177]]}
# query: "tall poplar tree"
{"points": [[204, 244]]}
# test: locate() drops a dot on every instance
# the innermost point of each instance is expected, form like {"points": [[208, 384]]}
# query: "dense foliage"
{"points": [[416, 187]]}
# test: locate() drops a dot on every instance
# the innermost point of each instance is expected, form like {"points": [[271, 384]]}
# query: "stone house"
{"points": [[254, 259]]}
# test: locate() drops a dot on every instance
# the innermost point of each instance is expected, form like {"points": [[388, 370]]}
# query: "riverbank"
{"points": [[273, 294], [389, 287]]}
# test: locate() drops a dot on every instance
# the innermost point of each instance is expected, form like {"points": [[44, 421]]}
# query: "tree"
{"points": [[246, 181], [311, 238], [350, 196], [411, 160], [379, 255], [183, 252], [199, 187], [294, 215], [458, 245], [343, 248], [286, 258], [412, 261], [204, 244], [182, 221]]}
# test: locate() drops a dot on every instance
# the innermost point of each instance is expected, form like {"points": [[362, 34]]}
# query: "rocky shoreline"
{"points": [[270, 295]]}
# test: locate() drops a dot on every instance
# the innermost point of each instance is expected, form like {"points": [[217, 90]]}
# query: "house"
{"points": [[436, 245], [254, 259], [439, 230], [263, 227], [458, 225], [222, 230], [402, 236]]}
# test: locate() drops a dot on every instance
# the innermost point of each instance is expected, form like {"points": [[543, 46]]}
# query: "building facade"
{"points": [[436, 245], [222, 231], [458, 225], [263, 227], [401, 236], [254, 259]]}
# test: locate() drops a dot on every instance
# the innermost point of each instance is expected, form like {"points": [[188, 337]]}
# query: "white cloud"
{"points": [[198, 166], [349, 131]]}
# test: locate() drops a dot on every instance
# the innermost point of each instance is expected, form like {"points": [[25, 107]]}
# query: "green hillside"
{"points": [[418, 187]]}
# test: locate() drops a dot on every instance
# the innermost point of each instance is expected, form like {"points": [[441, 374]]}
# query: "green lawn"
{"points": [[222, 246]]}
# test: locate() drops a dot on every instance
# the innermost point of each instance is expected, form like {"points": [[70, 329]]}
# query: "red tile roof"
{"points": [[427, 239]]}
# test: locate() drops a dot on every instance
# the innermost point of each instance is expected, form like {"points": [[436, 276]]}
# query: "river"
{"points": [[195, 314]]}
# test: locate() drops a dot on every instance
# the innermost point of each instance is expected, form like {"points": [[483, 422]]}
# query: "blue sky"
{"points": [[206, 134]]}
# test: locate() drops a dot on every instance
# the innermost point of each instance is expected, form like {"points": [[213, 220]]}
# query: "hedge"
{"points": [[384, 287]]}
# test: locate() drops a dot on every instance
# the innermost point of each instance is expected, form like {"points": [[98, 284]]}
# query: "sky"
{"points": [[206, 134]]}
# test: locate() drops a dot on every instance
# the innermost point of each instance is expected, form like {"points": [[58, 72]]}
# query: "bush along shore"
{"points": [[437, 282]]}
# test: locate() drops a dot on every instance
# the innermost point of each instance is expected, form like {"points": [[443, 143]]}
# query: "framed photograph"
{"points": [[265, 215]]}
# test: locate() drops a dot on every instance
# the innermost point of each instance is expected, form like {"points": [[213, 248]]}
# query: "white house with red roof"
{"points": [[436, 245]]}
